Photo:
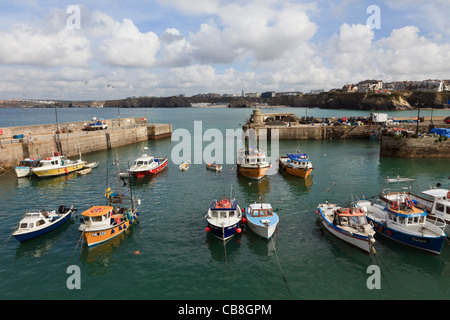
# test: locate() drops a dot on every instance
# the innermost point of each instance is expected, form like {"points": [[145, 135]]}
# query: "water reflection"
{"points": [[223, 251]]}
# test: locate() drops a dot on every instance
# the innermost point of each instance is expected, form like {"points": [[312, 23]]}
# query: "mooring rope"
{"points": [[78, 243], [281, 270]]}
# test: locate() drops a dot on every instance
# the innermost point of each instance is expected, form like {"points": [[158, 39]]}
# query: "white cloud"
{"points": [[128, 47]]}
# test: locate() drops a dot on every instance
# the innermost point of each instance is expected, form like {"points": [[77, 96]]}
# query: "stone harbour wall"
{"points": [[422, 147]]}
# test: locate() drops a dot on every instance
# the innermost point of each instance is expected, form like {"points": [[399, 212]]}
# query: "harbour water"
{"points": [[168, 255]]}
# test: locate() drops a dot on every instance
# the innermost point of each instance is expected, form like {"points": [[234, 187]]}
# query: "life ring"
{"points": [[395, 205], [409, 203]]}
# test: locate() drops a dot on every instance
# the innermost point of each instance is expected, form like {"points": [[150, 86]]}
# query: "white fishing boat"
{"points": [[147, 165], [347, 224], [261, 219], [395, 215], [24, 169], [39, 222], [437, 203]]}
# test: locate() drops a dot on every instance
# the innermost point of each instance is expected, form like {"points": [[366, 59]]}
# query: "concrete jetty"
{"points": [[41, 141], [290, 127]]}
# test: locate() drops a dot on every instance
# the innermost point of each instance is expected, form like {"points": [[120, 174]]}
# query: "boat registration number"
{"points": [[98, 234]]}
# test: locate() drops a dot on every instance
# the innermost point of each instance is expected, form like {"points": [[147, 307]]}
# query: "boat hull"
{"points": [[265, 232], [433, 245], [358, 241], [22, 237], [143, 173], [252, 172], [54, 172], [22, 172], [97, 237], [299, 172], [224, 233]]}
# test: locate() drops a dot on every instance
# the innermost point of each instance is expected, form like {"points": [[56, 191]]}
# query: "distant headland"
{"points": [[365, 95]]}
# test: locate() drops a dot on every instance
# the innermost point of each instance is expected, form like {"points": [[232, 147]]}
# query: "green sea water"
{"points": [[168, 255]]}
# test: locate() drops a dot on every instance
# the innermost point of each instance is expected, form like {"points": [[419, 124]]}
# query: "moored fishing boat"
{"points": [[252, 163], [39, 222], [395, 216], [437, 203], [24, 169], [296, 164], [57, 165], [348, 224], [103, 223], [147, 165], [261, 219], [223, 218]]}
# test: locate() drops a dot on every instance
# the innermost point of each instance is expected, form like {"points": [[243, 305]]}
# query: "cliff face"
{"points": [[327, 100], [367, 101]]}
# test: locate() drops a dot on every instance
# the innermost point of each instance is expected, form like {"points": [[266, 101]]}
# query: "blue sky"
{"points": [[170, 47]]}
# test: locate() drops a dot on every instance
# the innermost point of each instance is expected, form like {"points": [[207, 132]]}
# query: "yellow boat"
{"points": [[56, 166], [252, 164], [103, 223], [296, 164]]}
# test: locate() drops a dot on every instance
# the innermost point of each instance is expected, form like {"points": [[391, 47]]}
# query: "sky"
{"points": [[108, 49]]}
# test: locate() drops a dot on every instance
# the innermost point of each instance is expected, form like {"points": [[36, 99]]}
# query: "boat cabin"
{"points": [[252, 157], [54, 161], [260, 210], [31, 163], [440, 203], [145, 160], [223, 209], [352, 218], [97, 215]]}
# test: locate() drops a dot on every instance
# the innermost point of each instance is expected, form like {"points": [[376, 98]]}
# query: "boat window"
{"points": [[39, 223], [230, 213], [223, 214], [23, 225], [214, 214], [362, 220], [448, 209], [31, 225], [439, 207], [353, 220], [269, 213], [96, 219]]}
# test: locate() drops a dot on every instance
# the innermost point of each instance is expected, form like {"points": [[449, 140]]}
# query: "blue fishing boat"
{"points": [[261, 219], [37, 223], [396, 216], [224, 218]]}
